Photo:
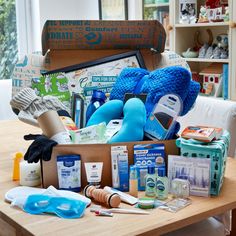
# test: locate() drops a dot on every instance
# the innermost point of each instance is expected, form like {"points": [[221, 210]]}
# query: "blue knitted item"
{"points": [[127, 81], [173, 79]]}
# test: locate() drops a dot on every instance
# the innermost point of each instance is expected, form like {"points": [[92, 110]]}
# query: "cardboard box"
{"points": [[72, 42], [67, 43], [94, 153]]}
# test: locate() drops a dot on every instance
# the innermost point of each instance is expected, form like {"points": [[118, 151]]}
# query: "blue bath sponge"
{"points": [[133, 123], [108, 111]]}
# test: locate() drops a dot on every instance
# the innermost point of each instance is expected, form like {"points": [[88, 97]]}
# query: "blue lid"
{"points": [[161, 172], [132, 167], [151, 169], [97, 94]]}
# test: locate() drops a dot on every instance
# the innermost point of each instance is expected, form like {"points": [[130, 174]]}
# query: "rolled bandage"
{"points": [[102, 196]]}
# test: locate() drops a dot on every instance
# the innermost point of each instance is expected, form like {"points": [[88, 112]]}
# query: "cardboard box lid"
{"points": [[97, 34]]}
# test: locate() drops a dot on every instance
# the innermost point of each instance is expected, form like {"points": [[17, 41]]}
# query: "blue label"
{"points": [[151, 185], [160, 186]]}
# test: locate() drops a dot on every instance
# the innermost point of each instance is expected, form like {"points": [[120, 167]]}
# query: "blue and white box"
{"points": [[120, 168], [145, 155]]}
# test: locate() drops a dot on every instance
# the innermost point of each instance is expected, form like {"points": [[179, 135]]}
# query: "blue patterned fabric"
{"points": [[173, 79]]}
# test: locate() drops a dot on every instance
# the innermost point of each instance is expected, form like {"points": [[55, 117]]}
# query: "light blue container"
{"points": [[216, 150]]}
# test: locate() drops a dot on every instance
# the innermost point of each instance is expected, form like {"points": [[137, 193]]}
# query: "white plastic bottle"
{"points": [[162, 184]]}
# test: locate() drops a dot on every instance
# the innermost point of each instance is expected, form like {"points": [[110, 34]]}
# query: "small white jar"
{"points": [[30, 174]]}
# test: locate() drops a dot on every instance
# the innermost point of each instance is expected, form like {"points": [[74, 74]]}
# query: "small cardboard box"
{"points": [[72, 42], [68, 43], [94, 153]]}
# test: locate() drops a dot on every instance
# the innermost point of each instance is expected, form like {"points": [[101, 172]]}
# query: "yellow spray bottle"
{"points": [[16, 166]]}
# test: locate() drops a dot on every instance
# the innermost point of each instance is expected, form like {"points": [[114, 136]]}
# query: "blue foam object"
{"points": [[133, 123], [63, 207], [108, 111], [173, 79]]}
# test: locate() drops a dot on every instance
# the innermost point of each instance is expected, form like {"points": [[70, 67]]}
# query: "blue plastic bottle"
{"points": [[97, 100]]}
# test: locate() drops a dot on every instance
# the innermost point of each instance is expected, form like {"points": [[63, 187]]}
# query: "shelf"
{"points": [[202, 25], [207, 60], [157, 5], [212, 97]]}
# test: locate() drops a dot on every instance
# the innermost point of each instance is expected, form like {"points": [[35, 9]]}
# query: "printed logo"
{"points": [[93, 39]]}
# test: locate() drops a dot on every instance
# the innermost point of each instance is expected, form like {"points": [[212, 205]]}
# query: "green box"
{"points": [[216, 150]]}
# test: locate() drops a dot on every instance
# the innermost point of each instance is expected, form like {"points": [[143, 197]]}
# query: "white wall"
{"points": [[68, 10]]}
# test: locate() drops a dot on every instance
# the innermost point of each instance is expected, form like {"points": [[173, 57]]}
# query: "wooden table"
{"points": [[17, 222]]}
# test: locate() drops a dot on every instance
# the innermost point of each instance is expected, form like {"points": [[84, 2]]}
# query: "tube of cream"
{"points": [[124, 196], [94, 173]]}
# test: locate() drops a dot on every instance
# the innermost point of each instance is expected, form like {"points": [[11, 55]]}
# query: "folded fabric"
{"points": [[173, 79]]}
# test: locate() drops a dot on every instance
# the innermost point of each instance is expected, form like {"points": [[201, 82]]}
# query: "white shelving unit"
{"points": [[207, 60], [202, 25], [182, 38]]}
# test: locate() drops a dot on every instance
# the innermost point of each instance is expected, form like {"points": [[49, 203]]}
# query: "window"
{"points": [[19, 32], [8, 38]]}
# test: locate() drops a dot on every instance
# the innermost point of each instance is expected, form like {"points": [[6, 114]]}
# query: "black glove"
{"points": [[40, 148]]}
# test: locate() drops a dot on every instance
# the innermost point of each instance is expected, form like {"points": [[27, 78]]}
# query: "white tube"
{"points": [[94, 173], [124, 196]]}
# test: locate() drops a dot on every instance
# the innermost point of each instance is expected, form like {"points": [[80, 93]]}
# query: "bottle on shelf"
{"points": [[97, 100], [150, 187]]}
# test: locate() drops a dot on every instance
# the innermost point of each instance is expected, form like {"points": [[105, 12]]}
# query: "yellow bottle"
{"points": [[16, 166]]}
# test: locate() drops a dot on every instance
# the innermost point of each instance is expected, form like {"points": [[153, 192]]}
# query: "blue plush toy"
{"points": [[155, 84]]}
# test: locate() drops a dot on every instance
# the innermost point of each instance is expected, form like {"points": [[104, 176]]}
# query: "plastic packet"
{"points": [[149, 203], [176, 204]]}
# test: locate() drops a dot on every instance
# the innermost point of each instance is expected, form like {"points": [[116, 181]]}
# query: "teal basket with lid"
{"points": [[216, 150]]}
